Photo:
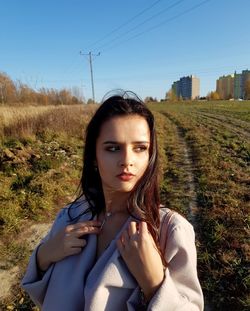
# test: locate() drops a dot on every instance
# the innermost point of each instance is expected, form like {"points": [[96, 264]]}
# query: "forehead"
{"points": [[124, 128]]}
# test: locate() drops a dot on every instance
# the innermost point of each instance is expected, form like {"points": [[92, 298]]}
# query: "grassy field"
{"points": [[205, 155], [217, 136]]}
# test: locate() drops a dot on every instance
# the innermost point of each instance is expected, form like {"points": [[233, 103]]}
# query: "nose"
{"points": [[126, 158]]}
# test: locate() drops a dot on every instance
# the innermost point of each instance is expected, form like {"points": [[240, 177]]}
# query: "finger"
{"points": [[74, 251], [125, 238], [132, 228], [86, 230], [89, 223], [143, 230], [79, 243], [68, 229], [82, 226], [74, 243]]}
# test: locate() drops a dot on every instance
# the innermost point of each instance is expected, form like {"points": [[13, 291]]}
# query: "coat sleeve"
{"points": [[180, 289], [34, 282]]}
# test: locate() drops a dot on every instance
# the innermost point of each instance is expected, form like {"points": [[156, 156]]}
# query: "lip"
{"points": [[125, 176]]}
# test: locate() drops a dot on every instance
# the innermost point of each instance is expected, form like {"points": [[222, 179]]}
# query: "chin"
{"points": [[126, 188]]}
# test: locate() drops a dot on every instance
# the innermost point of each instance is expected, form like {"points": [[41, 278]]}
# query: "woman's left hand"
{"points": [[142, 257]]}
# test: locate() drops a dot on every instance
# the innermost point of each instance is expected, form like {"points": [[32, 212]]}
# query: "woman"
{"points": [[114, 248]]}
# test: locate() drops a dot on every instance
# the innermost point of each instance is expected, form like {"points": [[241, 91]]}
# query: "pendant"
{"points": [[107, 215]]}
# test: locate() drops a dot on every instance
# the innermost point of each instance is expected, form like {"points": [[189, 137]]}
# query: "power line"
{"points": [[182, 72], [124, 24], [142, 23], [71, 67], [204, 71], [160, 24]]}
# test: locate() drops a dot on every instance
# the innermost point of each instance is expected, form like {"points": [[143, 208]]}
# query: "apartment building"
{"points": [[187, 87], [245, 78], [238, 85], [225, 87], [233, 86]]}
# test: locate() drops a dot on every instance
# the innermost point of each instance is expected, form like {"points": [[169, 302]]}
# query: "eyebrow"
{"points": [[133, 142]]}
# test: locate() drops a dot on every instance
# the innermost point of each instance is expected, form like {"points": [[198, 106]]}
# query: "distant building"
{"points": [[233, 86], [238, 85], [245, 77], [225, 87], [195, 93], [187, 87], [175, 88]]}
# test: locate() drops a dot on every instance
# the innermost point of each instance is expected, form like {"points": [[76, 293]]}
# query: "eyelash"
{"points": [[142, 148], [117, 148], [112, 148]]}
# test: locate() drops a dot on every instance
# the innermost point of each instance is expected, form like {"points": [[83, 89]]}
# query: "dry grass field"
{"points": [[204, 153], [10, 114], [216, 137]]}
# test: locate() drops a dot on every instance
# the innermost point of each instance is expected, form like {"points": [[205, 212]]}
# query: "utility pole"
{"points": [[91, 71]]}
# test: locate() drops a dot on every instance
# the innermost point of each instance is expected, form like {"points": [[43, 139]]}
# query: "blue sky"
{"points": [[145, 45]]}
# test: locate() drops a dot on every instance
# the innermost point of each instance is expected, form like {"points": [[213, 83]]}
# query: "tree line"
{"points": [[18, 93]]}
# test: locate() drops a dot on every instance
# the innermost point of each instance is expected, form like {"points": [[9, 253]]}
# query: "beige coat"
{"points": [[78, 283]]}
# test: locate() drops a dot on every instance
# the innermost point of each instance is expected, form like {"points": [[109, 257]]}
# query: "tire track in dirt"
{"points": [[228, 118], [233, 125], [187, 165]]}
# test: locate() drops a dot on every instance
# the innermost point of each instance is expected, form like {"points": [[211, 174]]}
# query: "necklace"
{"points": [[106, 216]]}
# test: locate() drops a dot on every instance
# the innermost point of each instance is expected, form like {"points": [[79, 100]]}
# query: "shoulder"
{"points": [[176, 236], [172, 221], [74, 209]]}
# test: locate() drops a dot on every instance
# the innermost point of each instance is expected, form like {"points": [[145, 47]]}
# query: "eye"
{"points": [[112, 148], [141, 148]]}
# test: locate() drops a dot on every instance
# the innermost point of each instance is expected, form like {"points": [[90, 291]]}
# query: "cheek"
{"points": [[143, 162], [104, 162]]}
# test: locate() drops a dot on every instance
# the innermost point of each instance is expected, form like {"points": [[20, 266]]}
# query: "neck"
{"points": [[116, 204], [115, 209]]}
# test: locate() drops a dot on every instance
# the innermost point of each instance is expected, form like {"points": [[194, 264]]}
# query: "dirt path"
{"points": [[189, 168], [31, 236], [187, 165], [8, 278]]}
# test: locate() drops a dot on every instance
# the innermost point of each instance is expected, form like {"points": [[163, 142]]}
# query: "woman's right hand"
{"points": [[68, 241]]}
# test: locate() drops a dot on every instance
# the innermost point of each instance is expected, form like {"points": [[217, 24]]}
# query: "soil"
{"points": [[31, 236], [188, 166]]}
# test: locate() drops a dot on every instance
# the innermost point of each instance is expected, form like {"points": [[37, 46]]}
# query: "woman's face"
{"points": [[122, 152]]}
